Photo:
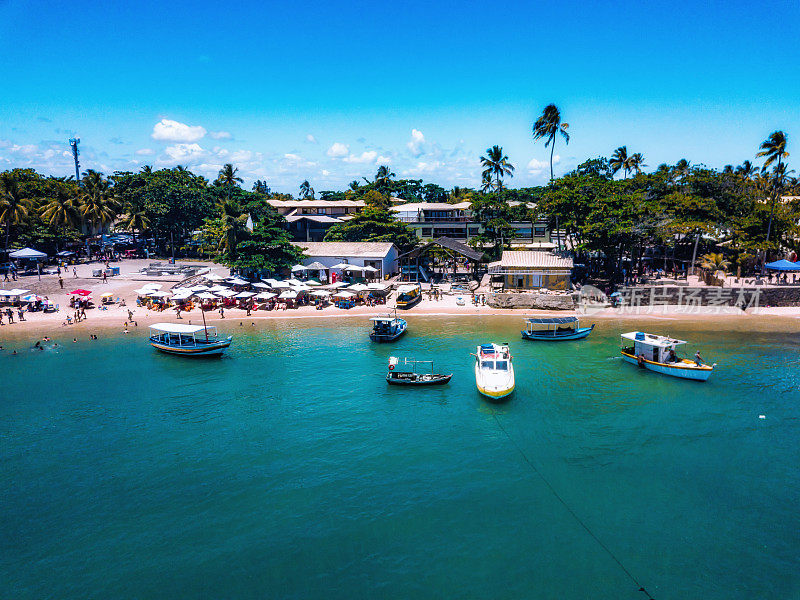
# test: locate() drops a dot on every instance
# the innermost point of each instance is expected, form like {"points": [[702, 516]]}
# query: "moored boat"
{"points": [[413, 377], [555, 329], [387, 328], [408, 295], [657, 353], [494, 372], [187, 340]]}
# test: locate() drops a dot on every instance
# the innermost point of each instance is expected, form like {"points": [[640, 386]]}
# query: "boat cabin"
{"points": [[553, 325], [652, 347], [494, 357]]}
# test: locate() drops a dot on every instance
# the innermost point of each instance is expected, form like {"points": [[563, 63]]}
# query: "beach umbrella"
{"points": [[369, 269], [281, 285], [184, 295], [80, 292], [157, 294], [238, 281], [321, 293], [293, 282], [151, 286], [31, 298], [265, 296], [316, 266], [107, 295], [299, 268], [214, 277], [218, 288], [354, 268], [377, 286], [341, 266], [288, 295], [358, 287], [344, 294], [206, 296], [312, 282], [262, 286], [225, 293], [338, 284], [199, 288], [271, 282], [245, 295]]}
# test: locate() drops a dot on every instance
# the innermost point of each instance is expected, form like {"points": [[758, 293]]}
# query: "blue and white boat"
{"points": [[657, 353], [387, 328], [494, 373], [187, 340], [554, 329]]}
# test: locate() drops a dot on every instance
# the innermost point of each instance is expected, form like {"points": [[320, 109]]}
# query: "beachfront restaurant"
{"points": [[532, 270], [380, 257]]}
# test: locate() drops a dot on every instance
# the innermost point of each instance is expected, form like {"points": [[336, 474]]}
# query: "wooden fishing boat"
{"points": [[387, 328], [555, 329], [413, 377], [187, 340], [408, 295], [494, 372], [657, 353]]}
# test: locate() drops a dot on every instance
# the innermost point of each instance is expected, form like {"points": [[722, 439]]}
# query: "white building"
{"points": [[379, 255]]}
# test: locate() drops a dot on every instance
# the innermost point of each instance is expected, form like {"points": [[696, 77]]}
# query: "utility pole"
{"points": [[73, 142]]}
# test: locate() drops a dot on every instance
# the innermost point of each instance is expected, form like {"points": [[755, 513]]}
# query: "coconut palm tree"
{"points": [[355, 184], [306, 191], [134, 220], [773, 149], [98, 206], [620, 160], [548, 126], [384, 174], [636, 162], [228, 177], [715, 263], [14, 205], [495, 164], [60, 210], [746, 170], [233, 228]]}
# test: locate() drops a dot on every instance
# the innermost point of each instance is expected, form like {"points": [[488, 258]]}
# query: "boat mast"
{"points": [[205, 327]]}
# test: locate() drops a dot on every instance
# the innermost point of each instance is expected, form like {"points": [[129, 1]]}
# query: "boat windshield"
{"points": [[501, 365], [487, 364]]}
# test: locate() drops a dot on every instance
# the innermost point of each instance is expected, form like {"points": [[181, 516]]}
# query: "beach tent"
{"points": [[80, 292], [27, 253], [783, 265]]}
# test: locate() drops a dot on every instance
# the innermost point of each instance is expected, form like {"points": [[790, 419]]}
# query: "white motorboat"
{"points": [[494, 372], [657, 353]]}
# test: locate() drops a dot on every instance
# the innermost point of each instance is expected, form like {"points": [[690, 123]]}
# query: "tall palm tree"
{"points": [[383, 176], [746, 170], [636, 162], [98, 204], [495, 164], [548, 126], [60, 210], [134, 220], [14, 205], [306, 191], [228, 177], [773, 149], [486, 183], [355, 184], [620, 160], [233, 228]]}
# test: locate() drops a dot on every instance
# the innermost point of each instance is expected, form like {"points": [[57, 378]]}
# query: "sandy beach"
{"points": [[130, 279]]}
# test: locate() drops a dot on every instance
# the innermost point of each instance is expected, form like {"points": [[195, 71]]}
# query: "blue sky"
{"points": [[327, 91]]}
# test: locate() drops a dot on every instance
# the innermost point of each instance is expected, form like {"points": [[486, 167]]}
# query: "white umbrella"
{"points": [[344, 294], [226, 293], [338, 284], [157, 294], [281, 285], [265, 295], [237, 281], [151, 286], [260, 285], [199, 288], [270, 281], [316, 266], [214, 277], [377, 286], [354, 268], [206, 296], [218, 288], [182, 296], [245, 295], [144, 291], [370, 269], [27, 253], [299, 268], [358, 287], [312, 282], [294, 281], [288, 295], [321, 293], [341, 266]]}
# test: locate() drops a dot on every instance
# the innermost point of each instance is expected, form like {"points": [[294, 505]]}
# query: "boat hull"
{"points": [[494, 390], [682, 370], [544, 336], [389, 337], [404, 304], [435, 380], [215, 349]]}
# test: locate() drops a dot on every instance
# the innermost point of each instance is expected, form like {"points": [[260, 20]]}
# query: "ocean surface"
{"points": [[289, 469]]}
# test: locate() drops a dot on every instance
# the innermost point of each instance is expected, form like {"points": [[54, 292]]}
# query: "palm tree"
{"points": [[60, 210], [746, 170], [233, 228], [98, 205], [355, 184], [620, 160], [716, 263], [486, 183], [496, 165], [13, 204], [636, 162], [384, 173], [548, 126], [227, 177], [773, 149], [134, 220], [306, 191]]}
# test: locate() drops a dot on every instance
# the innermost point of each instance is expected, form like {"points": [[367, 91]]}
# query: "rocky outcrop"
{"points": [[532, 301]]}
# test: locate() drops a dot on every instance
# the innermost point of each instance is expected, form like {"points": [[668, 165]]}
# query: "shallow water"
{"points": [[289, 469]]}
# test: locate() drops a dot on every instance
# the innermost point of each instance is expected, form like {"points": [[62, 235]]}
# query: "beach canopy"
{"points": [[218, 288], [312, 282], [178, 328], [214, 277], [783, 265], [338, 284], [225, 293], [80, 292], [321, 293], [281, 284], [151, 286], [14, 292], [27, 253], [299, 268], [377, 286], [157, 294], [238, 281]]}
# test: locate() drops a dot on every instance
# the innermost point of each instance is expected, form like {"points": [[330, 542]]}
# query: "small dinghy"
{"points": [[412, 377]]}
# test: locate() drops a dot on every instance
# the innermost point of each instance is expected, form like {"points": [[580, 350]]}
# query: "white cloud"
{"points": [[537, 166], [325, 172], [311, 139], [384, 160], [417, 143], [186, 154], [167, 130], [290, 156], [145, 152], [338, 150], [220, 135], [367, 156], [242, 156]]}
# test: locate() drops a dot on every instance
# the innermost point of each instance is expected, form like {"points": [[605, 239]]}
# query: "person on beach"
{"points": [[10, 315], [21, 313], [5, 275], [105, 277], [75, 272], [60, 282], [222, 312], [178, 312], [130, 315]]}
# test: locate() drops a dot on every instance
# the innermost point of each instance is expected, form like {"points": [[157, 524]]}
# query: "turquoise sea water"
{"points": [[289, 469]]}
